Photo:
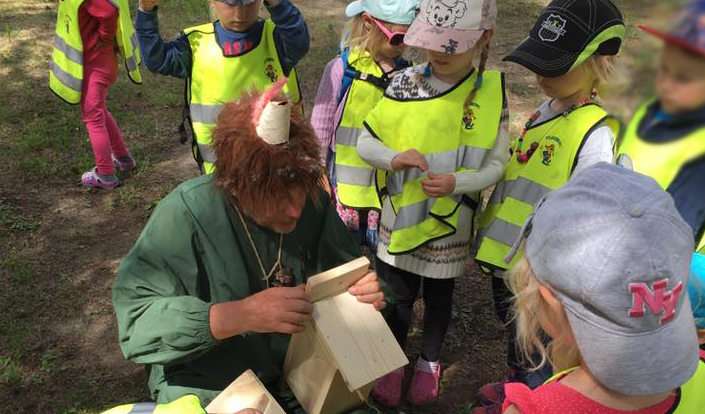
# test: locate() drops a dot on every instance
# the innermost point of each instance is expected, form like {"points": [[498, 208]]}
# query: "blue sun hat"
{"points": [[696, 289], [392, 11]]}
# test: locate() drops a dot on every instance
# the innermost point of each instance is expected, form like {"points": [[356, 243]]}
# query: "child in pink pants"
{"points": [[98, 20]]}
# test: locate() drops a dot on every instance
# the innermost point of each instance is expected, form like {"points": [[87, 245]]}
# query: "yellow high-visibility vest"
{"points": [[662, 161], [524, 185], [66, 72], [451, 137], [188, 404], [355, 178], [690, 398], [217, 79]]}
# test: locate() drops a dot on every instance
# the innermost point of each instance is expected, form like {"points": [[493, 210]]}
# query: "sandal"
{"points": [[92, 179], [124, 165]]}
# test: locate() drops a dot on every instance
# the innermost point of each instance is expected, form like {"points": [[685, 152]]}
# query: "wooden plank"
{"points": [[336, 280], [340, 400], [357, 338], [308, 369], [245, 392]]}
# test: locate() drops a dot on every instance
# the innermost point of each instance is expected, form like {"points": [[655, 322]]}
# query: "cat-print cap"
{"points": [[451, 26]]}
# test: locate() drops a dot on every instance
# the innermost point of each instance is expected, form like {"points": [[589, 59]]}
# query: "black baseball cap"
{"points": [[567, 33]]}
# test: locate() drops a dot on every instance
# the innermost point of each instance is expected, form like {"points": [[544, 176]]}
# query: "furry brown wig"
{"points": [[260, 175]]}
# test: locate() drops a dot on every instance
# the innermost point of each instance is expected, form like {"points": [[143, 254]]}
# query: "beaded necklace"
{"points": [[523, 157]]}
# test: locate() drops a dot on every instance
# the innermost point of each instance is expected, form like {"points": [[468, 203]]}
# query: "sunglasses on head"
{"points": [[394, 38]]}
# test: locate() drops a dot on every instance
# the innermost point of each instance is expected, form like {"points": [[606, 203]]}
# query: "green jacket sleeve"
{"points": [[159, 319]]}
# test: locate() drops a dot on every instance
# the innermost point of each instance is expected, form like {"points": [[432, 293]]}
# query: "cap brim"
{"points": [[354, 8], [441, 39], [646, 364], [677, 41], [542, 59]]}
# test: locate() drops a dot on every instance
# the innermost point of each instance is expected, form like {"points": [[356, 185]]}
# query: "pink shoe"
{"points": [[92, 179], [425, 383], [124, 165], [387, 390]]}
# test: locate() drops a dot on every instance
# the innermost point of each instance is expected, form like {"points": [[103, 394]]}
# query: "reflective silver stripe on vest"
{"points": [[501, 231], [347, 136], [361, 176], [131, 63], [71, 52], [66, 78], [521, 189], [206, 152], [414, 214], [463, 157], [135, 42], [345, 174], [205, 114], [143, 408]]}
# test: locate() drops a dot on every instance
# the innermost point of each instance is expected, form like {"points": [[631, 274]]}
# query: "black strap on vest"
{"points": [[380, 82], [186, 133]]}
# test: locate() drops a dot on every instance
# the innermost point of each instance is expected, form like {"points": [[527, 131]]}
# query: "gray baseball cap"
{"points": [[614, 250], [237, 2]]}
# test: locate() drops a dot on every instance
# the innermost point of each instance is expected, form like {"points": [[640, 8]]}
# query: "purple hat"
{"points": [[451, 26], [689, 32]]}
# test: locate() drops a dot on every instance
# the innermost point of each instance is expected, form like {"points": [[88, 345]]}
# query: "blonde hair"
{"points": [[610, 77], [357, 36], [529, 308]]}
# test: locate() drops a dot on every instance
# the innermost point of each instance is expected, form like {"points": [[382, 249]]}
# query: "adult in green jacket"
{"points": [[214, 284]]}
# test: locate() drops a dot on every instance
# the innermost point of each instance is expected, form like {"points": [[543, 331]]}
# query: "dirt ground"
{"points": [[60, 244]]}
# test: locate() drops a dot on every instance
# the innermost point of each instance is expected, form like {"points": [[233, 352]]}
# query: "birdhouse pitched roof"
{"points": [[355, 334]]}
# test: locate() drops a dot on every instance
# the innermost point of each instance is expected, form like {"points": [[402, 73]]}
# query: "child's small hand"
{"points": [[148, 5], [368, 290], [438, 185], [410, 159]]}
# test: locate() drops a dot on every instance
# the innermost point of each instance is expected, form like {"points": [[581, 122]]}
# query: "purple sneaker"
{"points": [[126, 164], [494, 391], [495, 408], [93, 179]]}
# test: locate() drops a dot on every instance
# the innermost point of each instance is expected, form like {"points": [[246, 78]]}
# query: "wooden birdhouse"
{"points": [[245, 392], [331, 366]]}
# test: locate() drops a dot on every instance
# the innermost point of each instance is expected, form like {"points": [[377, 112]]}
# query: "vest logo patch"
{"points": [[549, 148], [659, 300], [547, 151], [552, 28], [270, 71], [469, 116]]}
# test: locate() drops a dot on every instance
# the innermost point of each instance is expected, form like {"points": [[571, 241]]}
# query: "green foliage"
{"points": [[20, 270], [9, 371], [11, 218]]}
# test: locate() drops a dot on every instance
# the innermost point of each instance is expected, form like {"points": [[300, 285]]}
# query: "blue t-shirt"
{"points": [[291, 39], [688, 187]]}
